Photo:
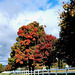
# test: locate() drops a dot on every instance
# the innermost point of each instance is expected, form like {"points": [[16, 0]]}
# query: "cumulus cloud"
{"points": [[15, 13], [13, 7]]}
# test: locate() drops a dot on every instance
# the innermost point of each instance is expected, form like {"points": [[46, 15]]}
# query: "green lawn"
{"points": [[4, 74], [33, 74]]}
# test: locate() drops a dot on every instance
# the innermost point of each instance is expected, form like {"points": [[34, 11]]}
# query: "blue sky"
{"points": [[15, 13]]}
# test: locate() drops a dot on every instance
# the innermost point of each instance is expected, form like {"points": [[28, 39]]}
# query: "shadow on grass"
{"points": [[36, 74]]}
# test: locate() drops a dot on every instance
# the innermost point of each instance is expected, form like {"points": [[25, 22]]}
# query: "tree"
{"points": [[23, 51], [66, 42], [46, 50], [1, 68], [33, 46]]}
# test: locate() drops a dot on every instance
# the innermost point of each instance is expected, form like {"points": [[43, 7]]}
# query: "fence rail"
{"points": [[43, 72]]}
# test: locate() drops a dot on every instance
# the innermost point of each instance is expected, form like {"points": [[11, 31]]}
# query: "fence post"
{"points": [[38, 72], [26, 72], [14, 72], [48, 71], [56, 71], [34, 72], [42, 72], [66, 71], [31, 72]]}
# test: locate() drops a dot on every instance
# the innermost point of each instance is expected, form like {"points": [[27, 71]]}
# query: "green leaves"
{"points": [[1, 68], [65, 45]]}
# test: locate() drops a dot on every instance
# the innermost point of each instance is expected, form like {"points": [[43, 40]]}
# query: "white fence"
{"points": [[47, 72]]}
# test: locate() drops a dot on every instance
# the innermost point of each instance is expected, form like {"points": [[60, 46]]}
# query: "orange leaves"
{"points": [[31, 57], [45, 26], [16, 55], [17, 60], [26, 27], [21, 62], [23, 27], [38, 55], [36, 51], [42, 48], [46, 52], [38, 60], [28, 36], [9, 67], [33, 34], [20, 31], [27, 50], [45, 48], [22, 42], [34, 39], [20, 57], [35, 29], [25, 42], [37, 46], [32, 43]]}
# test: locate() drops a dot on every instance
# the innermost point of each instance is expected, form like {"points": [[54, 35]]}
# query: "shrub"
{"points": [[47, 67]]}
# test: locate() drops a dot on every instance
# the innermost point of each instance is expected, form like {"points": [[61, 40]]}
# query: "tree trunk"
{"points": [[49, 66], [29, 68], [32, 68]]}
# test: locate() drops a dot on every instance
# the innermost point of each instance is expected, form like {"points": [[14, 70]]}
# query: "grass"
{"points": [[33, 74], [4, 74], [36, 74]]}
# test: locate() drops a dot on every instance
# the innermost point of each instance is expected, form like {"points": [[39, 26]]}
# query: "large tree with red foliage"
{"points": [[23, 51], [46, 50], [32, 46]]}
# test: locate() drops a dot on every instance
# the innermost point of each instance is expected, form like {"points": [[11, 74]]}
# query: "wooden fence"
{"points": [[56, 71]]}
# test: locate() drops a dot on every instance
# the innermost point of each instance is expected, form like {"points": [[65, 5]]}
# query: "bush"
{"points": [[47, 67], [1, 68]]}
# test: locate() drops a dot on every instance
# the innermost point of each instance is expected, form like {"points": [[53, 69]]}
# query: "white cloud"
{"points": [[15, 14], [3, 63], [48, 17], [1, 46], [3, 19]]}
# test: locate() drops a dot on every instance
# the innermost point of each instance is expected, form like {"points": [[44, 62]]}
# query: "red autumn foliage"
{"points": [[34, 39], [45, 48], [21, 62], [35, 29], [29, 36], [8, 67], [33, 44]]}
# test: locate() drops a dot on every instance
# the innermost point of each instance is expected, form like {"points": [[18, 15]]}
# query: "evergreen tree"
{"points": [[66, 43]]}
